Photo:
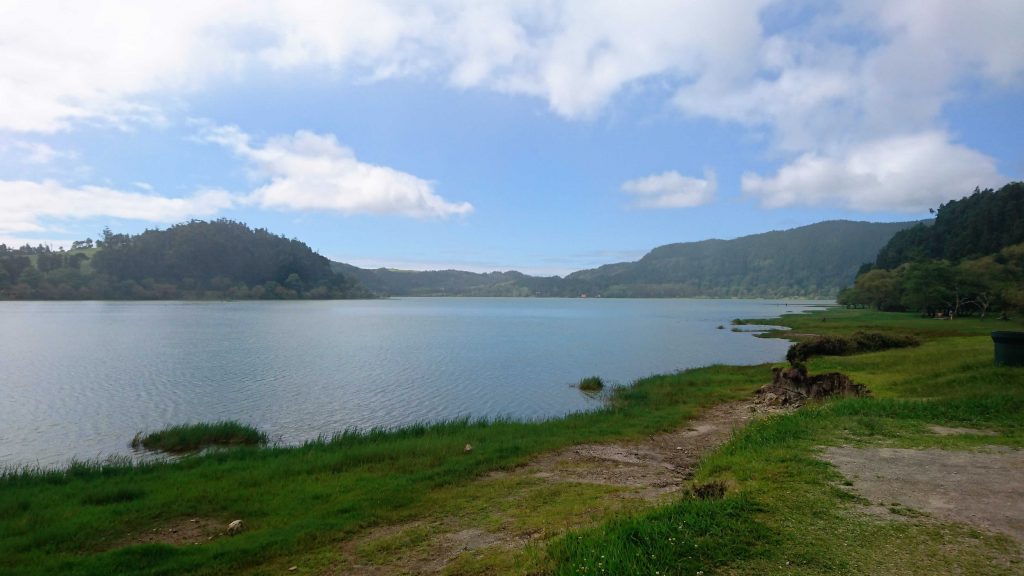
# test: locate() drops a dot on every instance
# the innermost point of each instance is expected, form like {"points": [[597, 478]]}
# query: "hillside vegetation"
{"points": [[969, 262], [194, 260], [811, 261], [977, 225]]}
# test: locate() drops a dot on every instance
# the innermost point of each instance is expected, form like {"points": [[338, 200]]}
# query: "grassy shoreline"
{"points": [[789, 513], [299, 503]]}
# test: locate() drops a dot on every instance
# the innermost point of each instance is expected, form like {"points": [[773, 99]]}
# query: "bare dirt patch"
{"points": [[656, 466], [948, 431], [181, 532], [982, 489], [647, 470], [416, 548]]}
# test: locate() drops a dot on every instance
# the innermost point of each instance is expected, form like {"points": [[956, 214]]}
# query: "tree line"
{"points": [[970, 261], [221, 259]]}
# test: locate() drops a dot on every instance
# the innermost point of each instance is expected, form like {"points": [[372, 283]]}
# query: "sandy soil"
{"points": [[658, 465], [984, 489]]}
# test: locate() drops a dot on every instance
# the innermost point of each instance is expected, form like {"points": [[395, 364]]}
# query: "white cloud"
{"points": [[37, 152], [671, 190], [64, 62], [820, 86], [901, 173], [879, 67], [33, 153], [113, 61], [24, 205], [308, 171]]}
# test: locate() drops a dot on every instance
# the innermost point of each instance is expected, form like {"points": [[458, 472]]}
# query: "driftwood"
{"points": [[793, 387]]}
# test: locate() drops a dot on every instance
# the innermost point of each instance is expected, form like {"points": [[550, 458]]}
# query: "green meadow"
{"points": [[784, 510]]}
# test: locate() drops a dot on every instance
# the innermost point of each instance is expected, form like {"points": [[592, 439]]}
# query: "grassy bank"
{"points": [[783, 511], [787, 512], [88, 518]]}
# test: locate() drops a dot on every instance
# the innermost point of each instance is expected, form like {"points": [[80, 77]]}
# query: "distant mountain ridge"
{"points": [[813, 261]]}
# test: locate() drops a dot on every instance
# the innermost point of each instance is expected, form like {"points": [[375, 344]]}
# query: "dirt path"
{"points": [[656, 466], [582, 485]]}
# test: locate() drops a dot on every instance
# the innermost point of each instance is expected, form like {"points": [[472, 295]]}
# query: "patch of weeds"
{"points": [[117, 495], [591, 384], [713, 490], [193, 437], [689, 537]]}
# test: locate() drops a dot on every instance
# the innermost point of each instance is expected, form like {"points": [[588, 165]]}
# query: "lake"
{"points": [[79, 379]]}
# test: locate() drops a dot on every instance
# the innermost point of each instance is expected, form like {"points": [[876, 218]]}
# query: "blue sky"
{"points": [[540, 136]]}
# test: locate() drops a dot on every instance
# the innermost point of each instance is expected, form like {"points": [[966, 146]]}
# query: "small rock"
{"points": [[468, 448], [293, 568], [235, 527], [194, 520]]}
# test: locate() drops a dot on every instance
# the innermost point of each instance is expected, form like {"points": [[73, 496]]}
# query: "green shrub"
{"points": [[874, 341], [857, 343]]}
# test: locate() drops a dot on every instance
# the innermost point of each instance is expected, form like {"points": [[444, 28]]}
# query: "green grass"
{"points": [[591, 384], [676, 539], [783, 512], [304, 500], [194, 437], [786, 513]]}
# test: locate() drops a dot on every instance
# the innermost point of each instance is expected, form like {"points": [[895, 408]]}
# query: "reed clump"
{"points": [[193, 437]]}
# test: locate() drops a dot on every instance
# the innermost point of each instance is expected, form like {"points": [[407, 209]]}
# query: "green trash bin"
{"points": [[1009, 348]]}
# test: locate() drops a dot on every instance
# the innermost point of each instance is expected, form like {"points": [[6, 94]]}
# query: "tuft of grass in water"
{"points": [[591, 384], [193, 437]]}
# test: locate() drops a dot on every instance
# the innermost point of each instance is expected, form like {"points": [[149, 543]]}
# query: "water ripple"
{"points": [[81, 378]]}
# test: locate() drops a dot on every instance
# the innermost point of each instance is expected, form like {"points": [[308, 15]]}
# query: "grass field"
{"points": [[783, 512]]}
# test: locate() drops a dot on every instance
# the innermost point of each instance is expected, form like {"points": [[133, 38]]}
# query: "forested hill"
{"points": [[452, 282], [226, 259], [194, 260], [978, 225], [811, 261], [970, 261]]}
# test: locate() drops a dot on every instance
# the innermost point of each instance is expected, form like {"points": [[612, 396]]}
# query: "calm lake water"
{"points": [[79, 379]]}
